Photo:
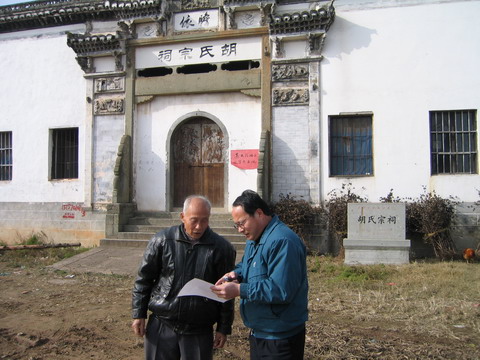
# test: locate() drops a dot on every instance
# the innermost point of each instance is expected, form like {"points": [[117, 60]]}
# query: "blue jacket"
{"points": [[273, 283]]}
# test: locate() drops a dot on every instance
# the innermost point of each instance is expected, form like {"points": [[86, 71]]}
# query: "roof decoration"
{"points": [[246, 2], [92, 44], [317, 19], [47, 13], [39, 14]]}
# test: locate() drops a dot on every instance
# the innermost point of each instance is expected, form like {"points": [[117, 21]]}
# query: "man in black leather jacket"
{"points": [[182, 327]]}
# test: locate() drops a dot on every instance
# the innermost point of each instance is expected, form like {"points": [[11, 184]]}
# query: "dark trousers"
{"points": [[162, 343], [291, 348]]}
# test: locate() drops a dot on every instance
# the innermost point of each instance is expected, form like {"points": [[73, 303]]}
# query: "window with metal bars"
{"points": [[453, 142], [351, 145], [6, 160], [64, 153]]}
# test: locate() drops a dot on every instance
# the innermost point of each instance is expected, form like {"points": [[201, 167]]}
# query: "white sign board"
{"points": [[213, 51]]}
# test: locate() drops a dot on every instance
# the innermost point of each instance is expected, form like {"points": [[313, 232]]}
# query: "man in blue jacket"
{"points": [[271, 281]]}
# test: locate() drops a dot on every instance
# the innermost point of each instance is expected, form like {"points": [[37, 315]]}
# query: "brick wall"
{"points": [[290, 152]]}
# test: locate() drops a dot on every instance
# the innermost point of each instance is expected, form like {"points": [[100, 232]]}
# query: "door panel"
{"points": [[198, 161]]}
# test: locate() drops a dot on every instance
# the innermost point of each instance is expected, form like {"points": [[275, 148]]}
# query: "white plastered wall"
{"points": [[400, 63], [42, 88], [240, 115]]}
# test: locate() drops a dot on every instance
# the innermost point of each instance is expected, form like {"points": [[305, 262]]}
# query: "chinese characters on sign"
{"points": [[380, 219], [207, 51], [199, 52], [244, 159], [196, 20]]}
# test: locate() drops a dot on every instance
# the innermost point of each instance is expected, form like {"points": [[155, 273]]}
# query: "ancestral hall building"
{"points": [[108, 108]]}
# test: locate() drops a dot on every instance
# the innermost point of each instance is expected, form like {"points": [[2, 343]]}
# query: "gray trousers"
{"points": [[162, 343]]}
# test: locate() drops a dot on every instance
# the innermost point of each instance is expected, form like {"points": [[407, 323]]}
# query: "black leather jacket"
{"points": [[169, 262]]}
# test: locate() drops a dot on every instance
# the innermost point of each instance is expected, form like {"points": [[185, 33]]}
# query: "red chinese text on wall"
{"points": [[70, 208], [244, 159]]}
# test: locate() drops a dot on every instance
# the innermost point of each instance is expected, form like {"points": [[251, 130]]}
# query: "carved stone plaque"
{"points": [[109, 106], [290, 96], [289, 72], [109, 84], [195, 4]]}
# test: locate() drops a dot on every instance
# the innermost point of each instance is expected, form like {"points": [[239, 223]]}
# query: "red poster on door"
{"points": [[244, 159]]}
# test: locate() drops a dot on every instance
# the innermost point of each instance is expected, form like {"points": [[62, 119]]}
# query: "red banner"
{"points": [[244, 159]]}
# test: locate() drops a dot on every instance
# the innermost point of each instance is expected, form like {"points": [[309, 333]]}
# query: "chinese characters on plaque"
{"points": [[198, 52], [244, 159], [376, 221], [196, 20]]}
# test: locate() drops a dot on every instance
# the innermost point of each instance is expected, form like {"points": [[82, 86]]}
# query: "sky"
{"points": [[9, 2]]}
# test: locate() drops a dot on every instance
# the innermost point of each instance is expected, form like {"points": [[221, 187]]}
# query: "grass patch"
{"points": [[430, 297], [34, 258], [38, 238]]}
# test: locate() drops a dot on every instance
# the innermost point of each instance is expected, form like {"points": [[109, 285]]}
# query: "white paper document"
{"points": [[198, 287]]}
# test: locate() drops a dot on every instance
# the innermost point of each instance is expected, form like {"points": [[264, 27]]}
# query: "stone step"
{"points": [[144, 225], [170, 222], [176, 215], [166, 222], [140, 235], [223, 230], [142, 243]]}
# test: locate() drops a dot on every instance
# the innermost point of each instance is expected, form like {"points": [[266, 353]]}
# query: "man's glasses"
{"points": [[240, 224]]}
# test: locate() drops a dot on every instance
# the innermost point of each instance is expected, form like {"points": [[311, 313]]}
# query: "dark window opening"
{"points": [[351, 145], [453, 142], [196, 69], [152, 72], [65, 153], [6, 156], [240, 65]]}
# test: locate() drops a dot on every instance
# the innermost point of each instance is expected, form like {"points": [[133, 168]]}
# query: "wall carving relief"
{"points": [[109, 84], [289, 72], [195, 4], [109, 106], [290, 96]]}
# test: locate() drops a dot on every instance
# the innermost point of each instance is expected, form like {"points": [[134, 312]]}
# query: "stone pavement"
{"points": [[104, 260], [108, 260]]}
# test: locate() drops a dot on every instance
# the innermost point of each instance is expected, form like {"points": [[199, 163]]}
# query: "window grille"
{"points": [[65, 153], [6, 160], [453, 142], [351, 145]]}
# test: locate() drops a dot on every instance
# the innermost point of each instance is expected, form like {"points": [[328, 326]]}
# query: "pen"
{"points": [[228, 279]]}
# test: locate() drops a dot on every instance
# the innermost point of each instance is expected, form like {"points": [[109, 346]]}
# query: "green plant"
{"points": [[35, 239]]}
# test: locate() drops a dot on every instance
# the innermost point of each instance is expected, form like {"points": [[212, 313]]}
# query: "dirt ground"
{"points": [[54, 315]]}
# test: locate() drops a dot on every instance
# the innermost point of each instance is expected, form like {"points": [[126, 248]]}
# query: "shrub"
{"points": [[337, 211], [432, 216], [298, 214]]}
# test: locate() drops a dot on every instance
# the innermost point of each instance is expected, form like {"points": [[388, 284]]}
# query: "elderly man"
{"points": [[182, 327], [271, 281]]}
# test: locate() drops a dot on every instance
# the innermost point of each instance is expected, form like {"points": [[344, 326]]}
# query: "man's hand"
{"points": [[227, 290], [138, 326], [230, 276], [219, 340]]}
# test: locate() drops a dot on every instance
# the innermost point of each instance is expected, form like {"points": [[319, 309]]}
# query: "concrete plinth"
{"points": [[369, 252]]}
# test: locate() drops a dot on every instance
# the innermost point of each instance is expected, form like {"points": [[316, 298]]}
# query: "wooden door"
{"points": [[198, 161]]}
